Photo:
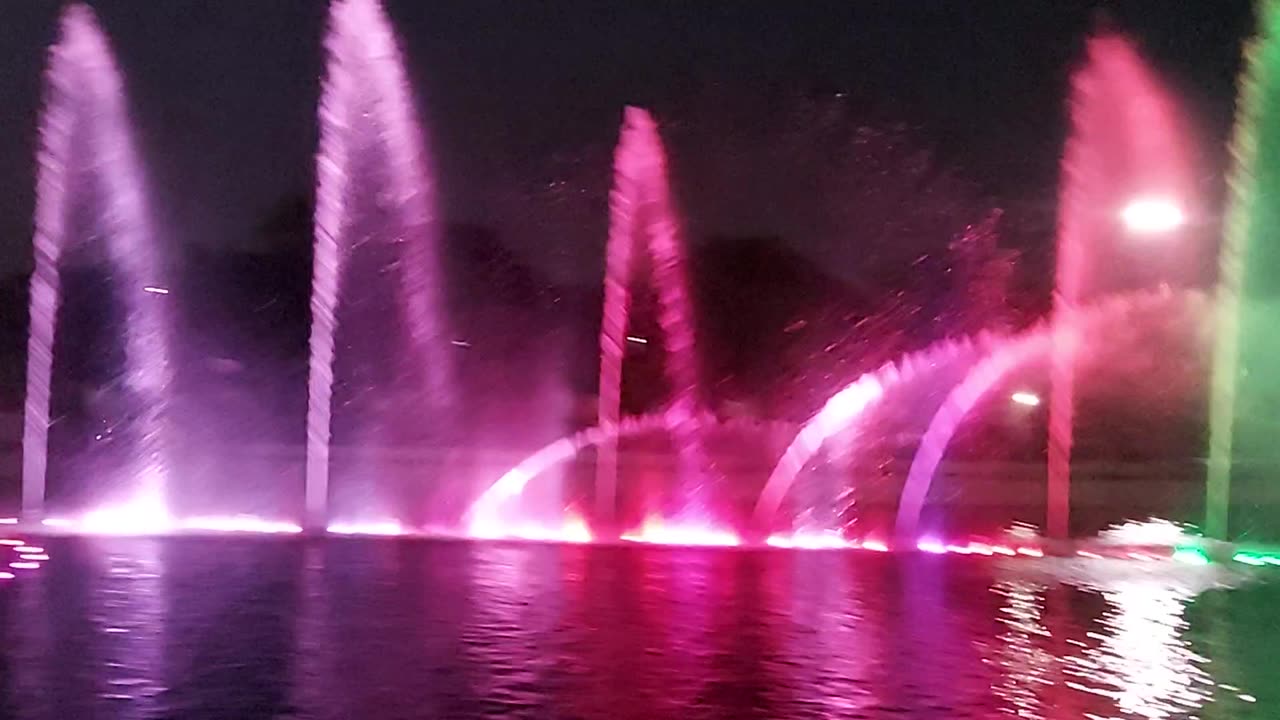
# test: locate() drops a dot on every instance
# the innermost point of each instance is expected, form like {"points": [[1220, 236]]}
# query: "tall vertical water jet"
{"points": [[1127, 188], [1245, 388], [640, 211], [84, 131], [367, 121]]}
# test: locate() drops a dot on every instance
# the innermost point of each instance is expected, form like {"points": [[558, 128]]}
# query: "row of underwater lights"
{"points": [[17, 554]]}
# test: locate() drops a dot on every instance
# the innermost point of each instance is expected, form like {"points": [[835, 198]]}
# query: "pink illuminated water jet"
{"points": [[640, 213], [1125, 171]]}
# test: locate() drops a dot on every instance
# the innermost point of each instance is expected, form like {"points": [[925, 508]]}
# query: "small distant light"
{"points": [[637, 340], [1247, 698], [460, 343], [34, 556], [1152, 215], [1025, 398], [25, 565], [28, 549], [874, 546], [155, 290]]}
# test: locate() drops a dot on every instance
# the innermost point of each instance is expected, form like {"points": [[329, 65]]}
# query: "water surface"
{"points": [[378, 630]]}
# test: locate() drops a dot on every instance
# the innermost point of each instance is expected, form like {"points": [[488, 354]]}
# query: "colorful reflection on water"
{"points": [[284, 627]]}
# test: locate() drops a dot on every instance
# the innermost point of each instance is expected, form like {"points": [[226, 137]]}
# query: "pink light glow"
{"points": [[239, 524], [1031, 552], [8, 521], [25, 565], [656, 532], [6, 575], [145, 515], [28, 549], [808, 541], [12, 542], [374, 529], [931, 546], [875, 546], [34, 556]]}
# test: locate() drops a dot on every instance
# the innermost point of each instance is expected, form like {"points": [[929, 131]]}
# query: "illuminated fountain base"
{"points": [[1153, 541]]}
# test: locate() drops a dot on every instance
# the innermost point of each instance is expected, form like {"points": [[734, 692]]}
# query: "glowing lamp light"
{"points": [[155, 290], [6, 575], [1023, 397], [1152, 215]]}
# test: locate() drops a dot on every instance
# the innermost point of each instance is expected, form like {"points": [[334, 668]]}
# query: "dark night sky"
{"points": [[224, 92]]}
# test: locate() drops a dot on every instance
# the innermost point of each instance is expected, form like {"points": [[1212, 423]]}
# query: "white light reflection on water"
{"points": [[1133, 660], [1142, 663], [128, 618], [1026, 666]]}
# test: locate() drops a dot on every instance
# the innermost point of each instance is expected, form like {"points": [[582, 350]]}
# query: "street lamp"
{"points": [[1023, 397], [1152, 215]]}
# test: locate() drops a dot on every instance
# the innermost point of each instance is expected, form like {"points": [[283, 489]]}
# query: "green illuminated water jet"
{"points": [[1244, 426]]}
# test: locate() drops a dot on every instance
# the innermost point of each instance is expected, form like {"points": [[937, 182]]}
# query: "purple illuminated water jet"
{"points": [[988, 373], [640, 212], [842, 410], [84, 129], [367, 107]]}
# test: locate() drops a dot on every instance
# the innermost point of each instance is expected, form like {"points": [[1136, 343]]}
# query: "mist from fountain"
{"points": [[85, 131]]}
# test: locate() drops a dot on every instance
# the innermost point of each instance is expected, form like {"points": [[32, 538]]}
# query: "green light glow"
{"points": [[1190, 556], [1245, 387], [1249, 558]]}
